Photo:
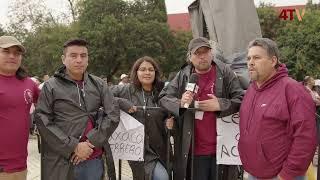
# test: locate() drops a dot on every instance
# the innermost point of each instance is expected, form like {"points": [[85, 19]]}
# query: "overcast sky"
{"points": [[173, 6]]}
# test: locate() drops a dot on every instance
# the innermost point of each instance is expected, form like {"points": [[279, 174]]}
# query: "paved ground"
{"points": [[33, 160], [34, 163]]}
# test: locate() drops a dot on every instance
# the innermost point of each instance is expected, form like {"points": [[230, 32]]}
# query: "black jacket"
{"points": [[228, 92], [61, 115], [155, 132]]}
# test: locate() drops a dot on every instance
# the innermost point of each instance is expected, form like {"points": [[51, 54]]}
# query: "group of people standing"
{"points": [[76, 113]]}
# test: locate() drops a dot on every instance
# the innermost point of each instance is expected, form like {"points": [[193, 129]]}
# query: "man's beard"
{"points": [[203, 67], [254, 76]]}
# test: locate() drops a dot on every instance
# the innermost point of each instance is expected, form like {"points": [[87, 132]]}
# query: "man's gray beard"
{"points": [[203, 68]]}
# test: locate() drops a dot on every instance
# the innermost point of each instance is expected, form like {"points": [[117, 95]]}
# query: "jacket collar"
{"points": [[61, 73]]}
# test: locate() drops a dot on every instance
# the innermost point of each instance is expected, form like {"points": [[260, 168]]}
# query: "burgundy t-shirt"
{"points": [[205, 129], [16, 98], [96, 151]]}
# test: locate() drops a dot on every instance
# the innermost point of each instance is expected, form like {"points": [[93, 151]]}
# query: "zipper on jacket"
{"points": [[79, 96], [85, 107], [83, 91]]}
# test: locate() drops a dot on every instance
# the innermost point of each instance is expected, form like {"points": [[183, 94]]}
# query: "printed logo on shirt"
{"points": [[211, 88], [28, 96]]}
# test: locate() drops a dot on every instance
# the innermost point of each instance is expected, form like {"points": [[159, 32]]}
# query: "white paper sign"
{"points": [[127, 141], [227, 140]]}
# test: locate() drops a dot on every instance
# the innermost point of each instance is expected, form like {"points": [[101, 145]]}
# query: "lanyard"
{"points": [[145, 101]]}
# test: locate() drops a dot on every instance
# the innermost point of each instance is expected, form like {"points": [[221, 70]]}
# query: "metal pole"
{"points": [[318, 139], [318, 170], [192, 149], [168, 152], [119, 169]]}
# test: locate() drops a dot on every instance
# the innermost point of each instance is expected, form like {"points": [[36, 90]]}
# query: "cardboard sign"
{"points": [[227, 140], [127, 141]]}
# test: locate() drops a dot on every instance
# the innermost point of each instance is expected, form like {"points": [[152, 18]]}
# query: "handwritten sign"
{"points": [[227, 140], [127, 141]]}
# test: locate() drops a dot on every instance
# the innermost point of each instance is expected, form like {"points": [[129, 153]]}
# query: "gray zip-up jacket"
{"points": [[62, 113]]}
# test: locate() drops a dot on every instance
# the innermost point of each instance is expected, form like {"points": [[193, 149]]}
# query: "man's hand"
{"points": [[212, 104], [186, 98], [132, 109], [82, 152], [279, 177], [75, 160]]}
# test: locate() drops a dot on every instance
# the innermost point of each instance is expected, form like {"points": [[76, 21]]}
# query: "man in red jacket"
{"points": [[277, 118]]}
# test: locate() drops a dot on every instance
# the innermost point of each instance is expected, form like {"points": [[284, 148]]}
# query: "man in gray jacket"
{"points": [[219, 95], [72, 134]]}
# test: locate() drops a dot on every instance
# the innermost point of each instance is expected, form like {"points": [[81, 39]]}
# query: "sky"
{"points": [[56, 5], [173, 6]]}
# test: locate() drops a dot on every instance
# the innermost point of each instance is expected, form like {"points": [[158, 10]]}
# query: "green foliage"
{"points": [[1, 31], [299, 42], [269, 20], [119, 32], [176, 52], [122, 32], [44, 48]]}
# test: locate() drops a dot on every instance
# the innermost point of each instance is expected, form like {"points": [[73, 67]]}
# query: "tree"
{"points": [[44, 48], [1, 31], [121, 32], [299, 42], [42, 33], [73, 10], [269, 20], [177, 52], [26, 16]]}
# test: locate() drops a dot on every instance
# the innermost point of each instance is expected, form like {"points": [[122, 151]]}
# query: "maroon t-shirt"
{"points": [[16, 98], [205, 129], [96, 151]]}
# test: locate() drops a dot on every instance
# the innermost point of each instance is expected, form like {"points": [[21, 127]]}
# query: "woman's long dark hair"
{"points": [[157, 83], [21, 73]]}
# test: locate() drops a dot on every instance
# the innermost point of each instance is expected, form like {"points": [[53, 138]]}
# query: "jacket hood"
{"points": [[62, 74], [282, 71]]}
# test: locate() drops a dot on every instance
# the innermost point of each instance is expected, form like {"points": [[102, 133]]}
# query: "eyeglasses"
{"points": [[146, 69]]}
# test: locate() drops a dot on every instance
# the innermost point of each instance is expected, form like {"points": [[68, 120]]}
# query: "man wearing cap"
{"points": [[124, 79], [219, 95], [17, 93], [75, 115]]}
